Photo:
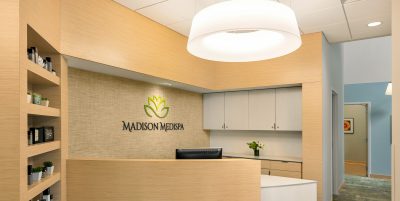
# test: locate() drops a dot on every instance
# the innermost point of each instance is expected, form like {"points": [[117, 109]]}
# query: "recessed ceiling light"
{"points": [[374, 24]]}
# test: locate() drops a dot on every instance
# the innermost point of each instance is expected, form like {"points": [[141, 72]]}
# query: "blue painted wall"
{"points": [[381, 106]]}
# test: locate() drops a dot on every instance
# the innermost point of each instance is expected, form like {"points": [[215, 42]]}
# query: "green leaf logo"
{"points": [[156, 106]]}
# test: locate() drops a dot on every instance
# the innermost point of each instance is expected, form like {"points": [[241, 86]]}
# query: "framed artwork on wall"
{"points": [[348, 126]]}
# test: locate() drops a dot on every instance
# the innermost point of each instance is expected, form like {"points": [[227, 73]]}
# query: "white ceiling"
{"points": [[340, 20]]}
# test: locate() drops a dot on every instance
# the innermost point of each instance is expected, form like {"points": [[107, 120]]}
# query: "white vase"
{"points": [[50, 170], [29, 98], [36, 176], [45, 103]]}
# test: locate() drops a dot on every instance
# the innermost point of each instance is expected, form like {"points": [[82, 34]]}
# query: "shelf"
{"points": [[37, 149], [42, 110], [38, 187], [40, 76]]}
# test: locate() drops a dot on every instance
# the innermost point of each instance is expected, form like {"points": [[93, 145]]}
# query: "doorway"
{"points": [[356, 139]]}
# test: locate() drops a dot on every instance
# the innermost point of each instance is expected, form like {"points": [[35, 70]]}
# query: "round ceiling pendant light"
{"points": [[244, 31]]}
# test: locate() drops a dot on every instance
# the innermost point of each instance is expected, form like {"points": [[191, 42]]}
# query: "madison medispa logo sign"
{"points": [[156, 108]]}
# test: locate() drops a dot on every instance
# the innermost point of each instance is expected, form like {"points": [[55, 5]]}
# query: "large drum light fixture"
{"points": [[243, 31]]}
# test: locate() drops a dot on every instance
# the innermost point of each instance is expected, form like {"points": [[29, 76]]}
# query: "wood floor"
{"points": [[355, 168], [358, 188]]}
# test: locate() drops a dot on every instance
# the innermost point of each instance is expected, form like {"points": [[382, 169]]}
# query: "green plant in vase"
{"points": [[37, 174], [36, 98], [256, 146], [49, 167]]}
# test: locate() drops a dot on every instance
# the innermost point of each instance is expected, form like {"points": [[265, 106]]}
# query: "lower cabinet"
{"points": [[281, 168]]}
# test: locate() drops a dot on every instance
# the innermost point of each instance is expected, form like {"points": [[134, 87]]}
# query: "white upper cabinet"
{"points": [[289, 109], [237, 110], [214, 111], [262, 109], [269, 109]]}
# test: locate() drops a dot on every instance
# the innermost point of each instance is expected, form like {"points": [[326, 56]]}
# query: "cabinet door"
{"points": [[237, 110], [289, 109], [262, 109], [213, 111]]}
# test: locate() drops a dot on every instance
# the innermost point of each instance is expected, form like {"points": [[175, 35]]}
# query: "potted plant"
{"points": [[37, 174], [256, 146], [45, 102], [37, 98], [29, 97], [49, 167]]}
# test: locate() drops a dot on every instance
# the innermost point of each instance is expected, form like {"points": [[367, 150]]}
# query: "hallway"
{"points": [[364, 189]]}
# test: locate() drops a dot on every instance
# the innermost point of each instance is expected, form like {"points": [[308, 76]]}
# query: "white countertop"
{"points": [[274, 181], [264, 157]]}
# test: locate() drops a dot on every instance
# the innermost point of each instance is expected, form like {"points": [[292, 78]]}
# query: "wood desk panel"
{"points": [[163, 180]]}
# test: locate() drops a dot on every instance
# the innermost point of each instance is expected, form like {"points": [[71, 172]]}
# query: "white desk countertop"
{"points": [[274, 181], [264, 157]]}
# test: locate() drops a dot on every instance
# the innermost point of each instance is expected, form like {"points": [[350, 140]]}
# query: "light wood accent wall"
{"points": [[396, 100], [44, 16], [108, 33], [303, 65], [163, 180], [9, 106], [312, 136]]}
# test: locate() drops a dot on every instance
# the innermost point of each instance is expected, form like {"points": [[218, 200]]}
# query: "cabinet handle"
{"points": [[223, 125]]}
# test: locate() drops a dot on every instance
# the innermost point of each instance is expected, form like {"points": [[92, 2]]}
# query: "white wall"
{"points": [[333, 172], [367, 60], [276, 143]]}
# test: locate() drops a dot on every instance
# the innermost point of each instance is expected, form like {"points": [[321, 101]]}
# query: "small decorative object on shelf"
{"points": [[37, 174], [46, 63], [35, 135], [49, 64], [30, 137], [256, 146], [48, 134], [29, 97], [49, 167], [45, 102], [47, 196], [36, 98], [40, 135], [29, 174]]}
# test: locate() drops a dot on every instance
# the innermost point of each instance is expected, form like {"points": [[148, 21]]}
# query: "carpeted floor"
{"points": [[364, 189]]}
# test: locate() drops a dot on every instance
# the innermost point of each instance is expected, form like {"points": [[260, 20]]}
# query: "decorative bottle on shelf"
{"points": [[46, 195], [29, 174]]}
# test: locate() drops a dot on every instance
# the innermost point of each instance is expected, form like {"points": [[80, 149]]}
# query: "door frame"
{"points": [[369, 105], [335, 141]]}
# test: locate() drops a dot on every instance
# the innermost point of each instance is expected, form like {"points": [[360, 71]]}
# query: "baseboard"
{"points": [[339, 188], [378, 176]]}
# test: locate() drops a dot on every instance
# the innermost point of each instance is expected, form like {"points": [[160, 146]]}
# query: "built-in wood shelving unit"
{"points": [[52, 86], [40, 76], [43, 110], [37, 149], [38, 187]]}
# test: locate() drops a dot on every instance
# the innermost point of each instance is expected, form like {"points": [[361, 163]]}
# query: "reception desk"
{"points": [[287, 189], [163, 180]]}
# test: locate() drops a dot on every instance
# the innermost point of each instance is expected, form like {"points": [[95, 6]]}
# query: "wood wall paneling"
{"points": [[108, 33], [312, 138], [163, 180], [303, 65], [10, 105]]}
